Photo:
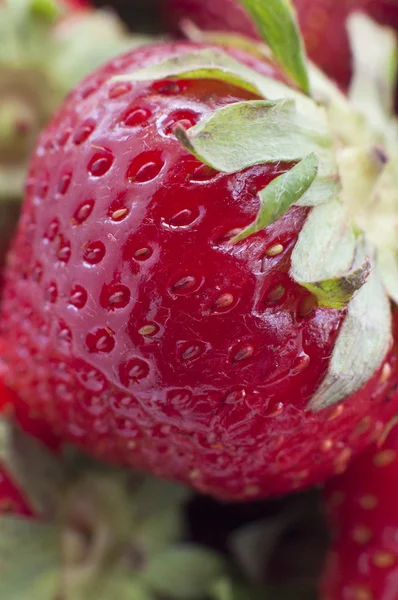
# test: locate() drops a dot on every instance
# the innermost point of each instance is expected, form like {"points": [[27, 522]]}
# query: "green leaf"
{"points": [[337, 292], [372, 89], [277, 23], [184, 573], [120, 586], [361, 346], [243, 134], [210, 64], [280, 194], [324, 255], [227, 589], [29, 559], [45, 9], [203, 64], [216, 64]]}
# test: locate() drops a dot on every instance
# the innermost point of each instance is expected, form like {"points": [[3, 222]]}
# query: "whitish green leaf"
{"points": [[259, 131], [280, 194], [373, 84], [361, 346], [120, 586], [29, 559], [311, 118], [216, 64], [324, 255], [277, 23], [228, 589], [184, 573], [388, 266]]}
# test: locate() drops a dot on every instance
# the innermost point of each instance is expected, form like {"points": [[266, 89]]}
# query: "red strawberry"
{"points": [[77, 4], [363, 563], [11, 498], [322, 23], [139, 327]]}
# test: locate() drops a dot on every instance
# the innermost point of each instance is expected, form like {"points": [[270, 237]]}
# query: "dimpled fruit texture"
{"points": [[322, 23], [362, 503], [137, 331]]}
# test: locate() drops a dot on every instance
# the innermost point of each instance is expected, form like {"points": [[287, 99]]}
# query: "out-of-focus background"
{"points": [[140, 15]]}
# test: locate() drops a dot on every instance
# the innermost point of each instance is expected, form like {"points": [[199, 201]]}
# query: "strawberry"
{"points": [[194, 299], [363, 510], [323, 24]]}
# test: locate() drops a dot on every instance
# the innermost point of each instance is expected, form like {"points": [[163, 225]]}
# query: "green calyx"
{"points": [[343, 158], [99, 533]]}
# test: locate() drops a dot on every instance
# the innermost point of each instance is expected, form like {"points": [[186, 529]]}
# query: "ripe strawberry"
{"points": [[363, 563], [322, 23], [12, 500], [145, 323]]}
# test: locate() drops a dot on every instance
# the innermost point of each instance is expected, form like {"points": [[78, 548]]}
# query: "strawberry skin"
{"points": [[135, 330], [322, 23], [363, 564]]}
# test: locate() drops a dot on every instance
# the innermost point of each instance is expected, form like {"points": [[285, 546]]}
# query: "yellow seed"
{"points": [[275, 294], [223, 301], [360, 592], [194, 474], [251, 490], [342, 461], [383, 559], [274, 250], [385, 373], [326, 445], [147, 330], [368, 502], [362, 427], [336, 412], [118, 214], [362, 534], [384, 458], [131, 444]]}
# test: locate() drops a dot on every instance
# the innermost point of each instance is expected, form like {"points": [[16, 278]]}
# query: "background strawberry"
{"points": [[363, 510], [133, 327], [322, 23]]}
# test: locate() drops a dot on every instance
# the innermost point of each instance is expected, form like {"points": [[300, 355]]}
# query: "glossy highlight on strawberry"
{"points": [[134, 327]]}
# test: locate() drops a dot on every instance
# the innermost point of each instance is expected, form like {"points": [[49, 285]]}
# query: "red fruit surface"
{"points": [[12, 500], [363, 505], [77, 4], [322, 23], [136, 331]]}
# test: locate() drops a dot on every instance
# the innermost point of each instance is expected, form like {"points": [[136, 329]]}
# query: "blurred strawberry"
{"points": [[322, 23], [363, 562]]}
